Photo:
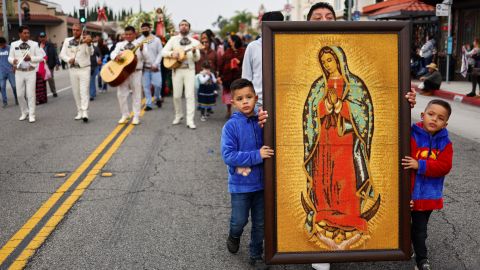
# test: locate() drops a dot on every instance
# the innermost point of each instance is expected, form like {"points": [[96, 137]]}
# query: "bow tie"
{"points": [[129, 46], [24, 46]]}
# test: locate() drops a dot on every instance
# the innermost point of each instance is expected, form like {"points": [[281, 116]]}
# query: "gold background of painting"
{"points": [[373, 58]]}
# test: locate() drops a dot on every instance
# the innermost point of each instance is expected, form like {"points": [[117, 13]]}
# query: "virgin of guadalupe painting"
{"points": [[338, 127]]}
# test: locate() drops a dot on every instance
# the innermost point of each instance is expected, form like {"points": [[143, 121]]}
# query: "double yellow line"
{"points": [[24, 243]]}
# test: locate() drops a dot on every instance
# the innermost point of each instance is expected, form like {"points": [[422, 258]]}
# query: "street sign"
{"points": [[83, 3], [441, 10]]}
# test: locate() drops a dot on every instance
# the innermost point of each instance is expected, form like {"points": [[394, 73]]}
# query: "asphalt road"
{"points": [[166, 205]]}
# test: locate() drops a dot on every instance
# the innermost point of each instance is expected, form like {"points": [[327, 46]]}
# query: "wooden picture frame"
{"points": [[307, 219]]}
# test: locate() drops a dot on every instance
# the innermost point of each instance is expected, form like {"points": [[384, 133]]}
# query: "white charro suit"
{"points": [[79, 72], [184, 76], [25, 75], [133, 82]]}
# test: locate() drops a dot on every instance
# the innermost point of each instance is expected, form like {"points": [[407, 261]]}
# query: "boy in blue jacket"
{"points": [[243, 152], [431, 160]]}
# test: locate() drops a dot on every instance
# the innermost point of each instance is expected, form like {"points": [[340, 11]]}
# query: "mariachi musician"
{"points": [[134, 81], [25, 55], [76, 51], [184, 75]]}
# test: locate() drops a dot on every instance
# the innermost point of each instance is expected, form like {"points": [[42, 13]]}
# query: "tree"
{"points": [[234, 24]]}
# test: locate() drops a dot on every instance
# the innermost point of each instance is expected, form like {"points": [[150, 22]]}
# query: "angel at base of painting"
{"points": [[338, 130]]}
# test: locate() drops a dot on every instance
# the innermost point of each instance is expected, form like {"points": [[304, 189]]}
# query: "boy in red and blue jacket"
{"points": [[432, 159]]}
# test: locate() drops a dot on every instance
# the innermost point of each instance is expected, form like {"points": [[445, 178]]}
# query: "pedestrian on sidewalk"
{"points": [[77, 52], [53, 62], [24, 56], [134, 81], [473, 59], [207, 88], [6, 72], [95, 63], [243, 152], [431, 161], [432, 81]]}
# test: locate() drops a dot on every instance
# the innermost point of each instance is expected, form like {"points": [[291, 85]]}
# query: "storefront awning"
{"points": [[399, 9]]}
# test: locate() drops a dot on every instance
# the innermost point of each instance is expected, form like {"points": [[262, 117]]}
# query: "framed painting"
{"points": [[335, 190]]}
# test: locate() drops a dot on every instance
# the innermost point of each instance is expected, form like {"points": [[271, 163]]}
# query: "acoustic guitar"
{"points": [[116, 72], [173, 63]]}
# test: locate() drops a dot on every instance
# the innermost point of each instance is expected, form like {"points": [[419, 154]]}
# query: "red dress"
{"points": [[333, 169]]}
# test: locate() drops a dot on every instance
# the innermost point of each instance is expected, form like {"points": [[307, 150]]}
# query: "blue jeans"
{"points": [[155, 79], [93, 87], [242, 204], [10, 76]]}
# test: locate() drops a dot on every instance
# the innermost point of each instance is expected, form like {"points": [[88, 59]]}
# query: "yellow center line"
{"points": [[21, 261]]}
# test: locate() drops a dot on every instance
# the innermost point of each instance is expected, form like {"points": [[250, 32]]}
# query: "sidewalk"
{"points": [[454, 90]]}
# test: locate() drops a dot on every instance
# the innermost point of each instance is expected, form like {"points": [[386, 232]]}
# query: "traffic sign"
{"points": [[83, 3], [441, 10]]}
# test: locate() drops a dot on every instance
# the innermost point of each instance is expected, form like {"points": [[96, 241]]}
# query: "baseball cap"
{"points": [[42, 34]]}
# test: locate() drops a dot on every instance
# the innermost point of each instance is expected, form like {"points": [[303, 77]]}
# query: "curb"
{"points": [[474, 101]]}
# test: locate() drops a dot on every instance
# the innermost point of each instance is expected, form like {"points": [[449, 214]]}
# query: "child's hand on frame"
{"points": [[266, 152], [409, 163]]}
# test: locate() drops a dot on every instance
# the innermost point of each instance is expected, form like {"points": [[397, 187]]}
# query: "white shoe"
{"points": [[123, 120], [176, 121], [85, 116], [31, 119], [23, 117], [191, 126], [321, 266], [79, 116], [135, 121], [203, 118]]}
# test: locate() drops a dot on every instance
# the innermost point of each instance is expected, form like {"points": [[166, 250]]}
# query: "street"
{"points": [[166, 204]]}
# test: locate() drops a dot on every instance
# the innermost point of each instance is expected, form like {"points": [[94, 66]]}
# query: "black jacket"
{"points": [[52, 55]]}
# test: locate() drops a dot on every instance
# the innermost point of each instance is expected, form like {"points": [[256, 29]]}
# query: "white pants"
{"points": [[133, 82], [80, 80], [184, 77], [26, 85]]}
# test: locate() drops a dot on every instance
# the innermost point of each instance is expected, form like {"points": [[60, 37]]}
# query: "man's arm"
{"points": [[156, 62], [115, 52], [38, 54], [11, 55], [63, 53], [247, 69], [168, 49]]}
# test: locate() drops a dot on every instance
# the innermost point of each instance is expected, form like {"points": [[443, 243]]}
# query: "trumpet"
{"points": [[23, 57]]}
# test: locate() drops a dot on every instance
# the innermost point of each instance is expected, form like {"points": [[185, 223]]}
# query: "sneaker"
{"points": [[135, 121], [55, 95], [471, 94], [233, 244], [203, 118], [148, 108], [258, 263], [92, 99], [23, 117], [424, 265], [159, 103], [123, 120]]}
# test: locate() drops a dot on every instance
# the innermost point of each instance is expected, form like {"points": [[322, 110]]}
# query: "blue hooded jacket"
{"points": [[242, 139]]}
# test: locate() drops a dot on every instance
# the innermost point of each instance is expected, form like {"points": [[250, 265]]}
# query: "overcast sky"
{"points": [[201, 13]]}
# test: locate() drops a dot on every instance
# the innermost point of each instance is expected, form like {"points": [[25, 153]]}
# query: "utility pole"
{"points": [[449, 41], [19, 13], [350, 4], [5, 20]]}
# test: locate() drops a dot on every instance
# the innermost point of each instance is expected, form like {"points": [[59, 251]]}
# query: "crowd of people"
{"points": [[203, 69]]}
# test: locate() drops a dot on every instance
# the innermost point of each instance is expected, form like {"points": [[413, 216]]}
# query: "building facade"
{"points": [[45, 17]]}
